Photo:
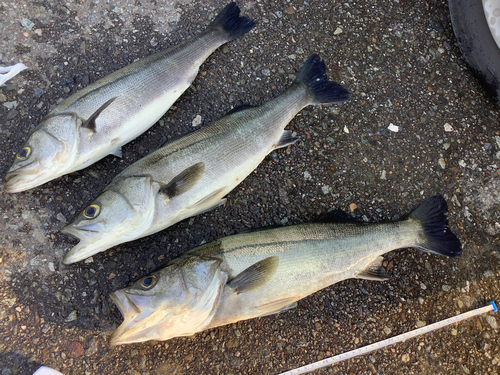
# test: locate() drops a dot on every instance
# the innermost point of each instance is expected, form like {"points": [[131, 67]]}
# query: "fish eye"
{"points": [[148, 282], [24, 153], [92, 211]]}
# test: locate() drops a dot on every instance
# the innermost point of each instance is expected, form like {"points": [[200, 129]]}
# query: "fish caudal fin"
{"points": [[313, 74], [234, 25], [439, 239]]}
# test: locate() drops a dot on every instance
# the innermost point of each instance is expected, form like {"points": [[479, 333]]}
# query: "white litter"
{"points": [[448, 127], [9, 72], [393, 128]]}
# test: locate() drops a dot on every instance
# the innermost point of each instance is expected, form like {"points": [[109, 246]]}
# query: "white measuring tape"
{"points": [[390, 341]]}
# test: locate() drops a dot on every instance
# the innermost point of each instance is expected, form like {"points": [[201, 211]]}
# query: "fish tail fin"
{"points": [[231, 22], [438, 237], [313, 74]]}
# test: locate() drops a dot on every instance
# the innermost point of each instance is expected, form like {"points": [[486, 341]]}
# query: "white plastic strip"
{"points": [[9, 72], [390, 341], [46, 371]]}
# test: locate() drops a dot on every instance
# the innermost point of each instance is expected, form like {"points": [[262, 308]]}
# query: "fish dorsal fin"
{"points": [[184, 181], [90, 123], [374, 271], [255, 276], [286, 139], [240, 108], [337, 216]]}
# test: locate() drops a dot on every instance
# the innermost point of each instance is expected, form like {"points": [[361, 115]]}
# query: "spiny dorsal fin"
{"points": [[90, 123], [255, 276], [184, 181], [286, 139], [337, 216]]}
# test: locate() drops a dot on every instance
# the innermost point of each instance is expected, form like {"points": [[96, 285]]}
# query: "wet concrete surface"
{"points": [[401, 64]]}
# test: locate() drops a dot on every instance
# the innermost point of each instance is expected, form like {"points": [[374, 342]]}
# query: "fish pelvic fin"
{"points": [[438, 237], [230, 21], [255, 276], [209, 202], [313, 74], [90, 122], [278, 306], [184, 181]]}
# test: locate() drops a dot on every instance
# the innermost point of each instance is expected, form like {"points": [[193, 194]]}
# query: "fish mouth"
{"points": [[20, 179], [131, 317]]}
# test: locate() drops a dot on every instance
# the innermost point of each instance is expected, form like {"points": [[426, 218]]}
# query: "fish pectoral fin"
{"points": [[374, 271], [184, 181], [210, 202], [117, 152], [90, 122], [278, 306], [286, 139], [255, 276]]}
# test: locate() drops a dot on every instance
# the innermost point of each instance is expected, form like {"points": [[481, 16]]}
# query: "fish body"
{"points": [[264, 272], [192, 174], [97, 120]]}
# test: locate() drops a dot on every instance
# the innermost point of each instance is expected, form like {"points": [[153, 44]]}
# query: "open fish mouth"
{"points": [[76, 233]]}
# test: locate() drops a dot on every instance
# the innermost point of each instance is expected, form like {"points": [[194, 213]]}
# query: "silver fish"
{"points": [[98, 120], [192, 174], [265, 272]]}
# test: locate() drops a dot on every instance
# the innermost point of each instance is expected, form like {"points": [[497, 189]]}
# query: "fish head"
{"points": [[120, 214], [177, 300], [47, 154]]}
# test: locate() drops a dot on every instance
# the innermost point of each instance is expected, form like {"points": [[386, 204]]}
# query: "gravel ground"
{"points": [[400, 62]]}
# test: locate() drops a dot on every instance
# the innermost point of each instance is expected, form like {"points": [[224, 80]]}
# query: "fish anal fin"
{"points": [[286, 139], [255, 276], [90, 122], [184, 181], [278, 306], [209, 202], [374, 271]]}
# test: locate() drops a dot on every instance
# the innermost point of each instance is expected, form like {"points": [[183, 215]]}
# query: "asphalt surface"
{"points": [[401, 64]]}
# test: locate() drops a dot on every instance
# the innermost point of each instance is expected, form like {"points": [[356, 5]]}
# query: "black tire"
{"points": [[477, 44]]}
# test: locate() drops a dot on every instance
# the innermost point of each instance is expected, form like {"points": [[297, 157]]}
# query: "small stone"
{"points": [[442, 163], [387, 330], [225, 49], [460, 304], [51, 267], [10, 105], [491, 321], [197, 120], [448, 127], [446, 145], [325, 189], [307, 175], [454, 332], [338, 31], [61, 218], [289, 10], [446, 288], [266, 72], [462, 163], [405, 357], [428, 267], [422, 285], [420, 323], [72, 316], [393, 128], [74, 349], [346, 130], [27, 23], [383, 175], [353, 206]]}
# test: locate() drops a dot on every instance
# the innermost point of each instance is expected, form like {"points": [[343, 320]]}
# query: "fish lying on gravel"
{"points": [[192, 174], [98, 120], [264, 272]]}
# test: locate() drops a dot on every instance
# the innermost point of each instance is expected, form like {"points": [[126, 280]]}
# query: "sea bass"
{"points": [[192, 174], [98, 120], [265, 272]]}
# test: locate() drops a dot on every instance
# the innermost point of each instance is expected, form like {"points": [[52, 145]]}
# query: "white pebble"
{"points": [[197, 120], [448, 128], [393, 128]]}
